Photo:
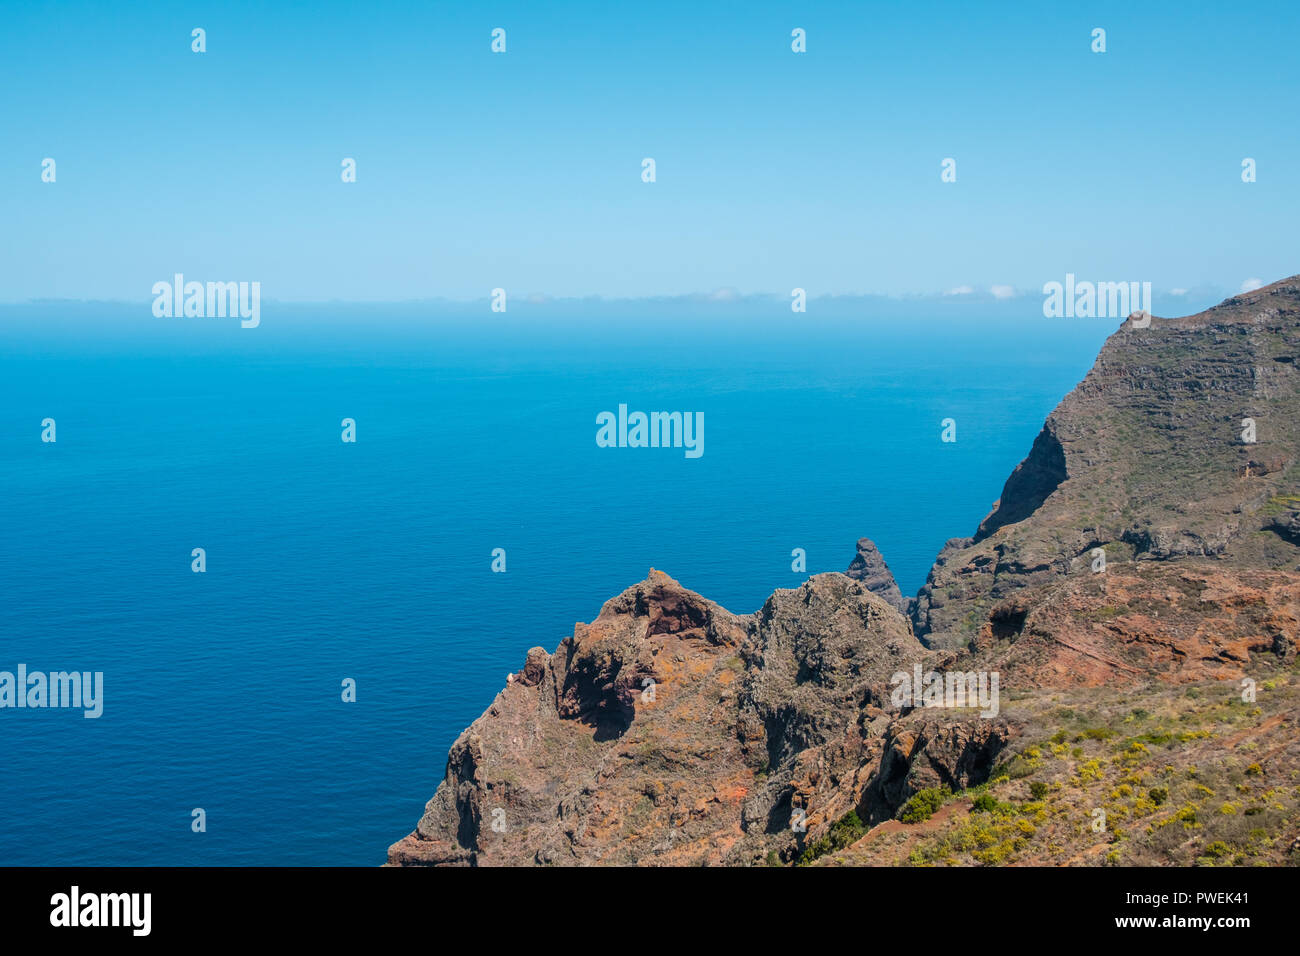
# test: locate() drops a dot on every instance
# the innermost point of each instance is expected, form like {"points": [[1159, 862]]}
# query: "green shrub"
{"points": [[1038, 789], [984, 803], [923, 804], [844, 832], [1095, 733]]}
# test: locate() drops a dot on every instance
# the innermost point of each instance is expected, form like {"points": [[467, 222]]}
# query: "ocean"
{"points": [[372, 560]]}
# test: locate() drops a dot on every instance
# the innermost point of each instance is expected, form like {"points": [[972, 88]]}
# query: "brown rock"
{"points": [[869, 567], [672, 731]]}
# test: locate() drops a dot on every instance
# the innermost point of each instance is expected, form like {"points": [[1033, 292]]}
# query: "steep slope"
{"points": [[1146, 460]]}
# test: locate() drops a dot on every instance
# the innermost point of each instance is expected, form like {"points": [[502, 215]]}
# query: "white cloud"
{"points": [[1002, 291], [960, 290], [1250, 285], [1178, 292]]}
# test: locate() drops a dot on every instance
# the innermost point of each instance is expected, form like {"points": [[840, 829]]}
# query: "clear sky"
{"points": [[523, 170]]}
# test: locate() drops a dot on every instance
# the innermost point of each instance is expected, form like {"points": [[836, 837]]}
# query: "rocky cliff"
{"points": [[1180, 443], [1135, 590], [869, 567], [670, 730]]}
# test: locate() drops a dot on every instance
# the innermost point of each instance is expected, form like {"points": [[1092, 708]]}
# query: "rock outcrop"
{"points": [[869, 567], [672, 731], [926, 753]]}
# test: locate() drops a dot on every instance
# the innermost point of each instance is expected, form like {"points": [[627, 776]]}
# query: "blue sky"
{"points": [[522, 170]]}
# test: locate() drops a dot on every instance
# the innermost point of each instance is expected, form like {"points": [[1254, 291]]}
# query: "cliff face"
{"points": [[1145, 459], [671, 731]]}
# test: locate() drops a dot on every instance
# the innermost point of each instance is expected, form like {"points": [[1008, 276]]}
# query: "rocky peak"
{"points": [[671, 730], [869, 567]]}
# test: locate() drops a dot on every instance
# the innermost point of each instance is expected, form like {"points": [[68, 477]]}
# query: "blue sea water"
{"points": [[328, 560]]}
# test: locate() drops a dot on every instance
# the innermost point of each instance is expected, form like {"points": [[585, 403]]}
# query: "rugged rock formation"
{"points": [[1146, 459], [671, 731], [869, 567], [924, 753]]}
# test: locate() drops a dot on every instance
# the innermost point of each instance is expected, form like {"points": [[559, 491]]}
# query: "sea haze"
{"points": [[372, 560]]}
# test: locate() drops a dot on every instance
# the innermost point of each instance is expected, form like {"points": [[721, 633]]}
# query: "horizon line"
{"points": [[722, 296]]}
